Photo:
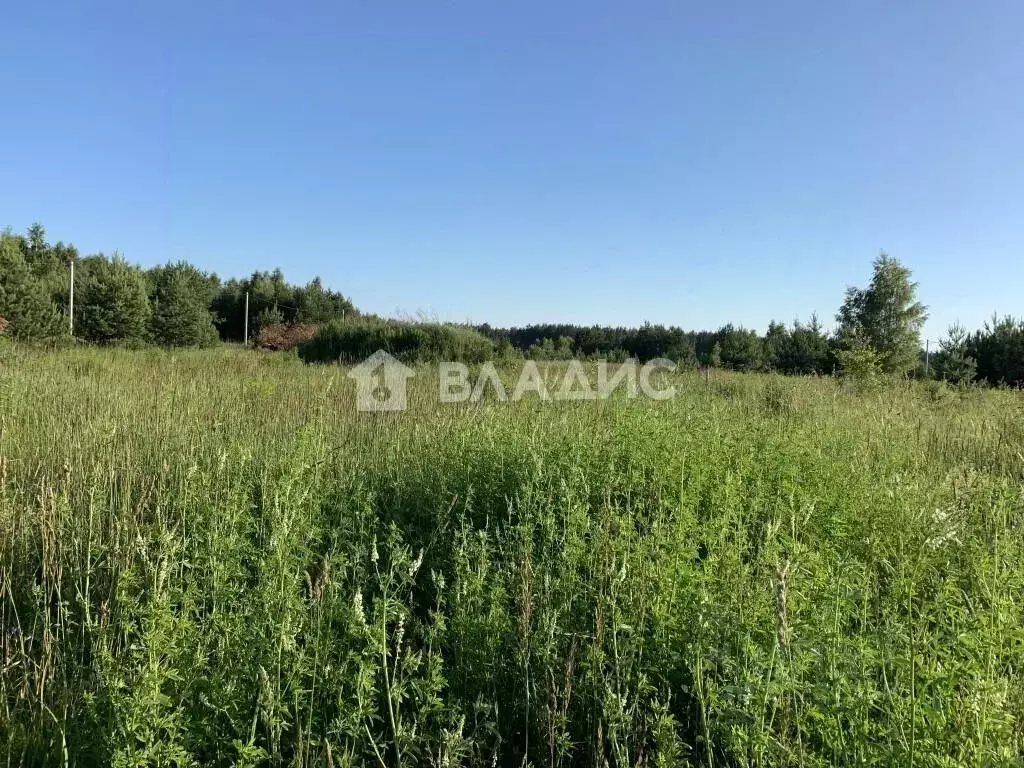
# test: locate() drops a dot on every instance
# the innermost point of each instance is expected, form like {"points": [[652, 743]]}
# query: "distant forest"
{"points": [[878, 327]]}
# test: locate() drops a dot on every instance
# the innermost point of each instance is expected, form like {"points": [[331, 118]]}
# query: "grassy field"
{"points": [[209, 558]]}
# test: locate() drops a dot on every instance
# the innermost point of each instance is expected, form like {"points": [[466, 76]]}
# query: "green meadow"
{"points": [[210, 558]]}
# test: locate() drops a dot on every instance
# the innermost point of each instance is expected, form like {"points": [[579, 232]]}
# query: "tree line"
{"points": [[878, 332], [803, 348], [878, 328], [115, 301], [881, 322]]}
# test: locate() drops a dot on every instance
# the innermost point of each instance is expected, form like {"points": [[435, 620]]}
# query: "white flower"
{"points": [[416, 564], [947, 528], [357, 605]]}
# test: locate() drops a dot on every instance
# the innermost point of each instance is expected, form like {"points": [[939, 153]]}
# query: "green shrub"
{"points": [[351, 341], [862, 367]]}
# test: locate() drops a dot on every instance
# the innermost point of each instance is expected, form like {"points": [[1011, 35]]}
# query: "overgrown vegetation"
{"points": [[353, 341], [281, 336], [178, 305], [209, 558]]}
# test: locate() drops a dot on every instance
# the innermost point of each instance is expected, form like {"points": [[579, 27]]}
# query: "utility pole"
{"points": [[71, 300], [245, 333]]}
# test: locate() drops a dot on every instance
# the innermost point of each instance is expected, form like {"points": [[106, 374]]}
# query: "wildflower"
{"points": [[416, 564], [357, 606], [947, 529]]}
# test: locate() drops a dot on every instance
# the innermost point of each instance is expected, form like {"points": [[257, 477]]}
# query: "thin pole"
{"points": [[246, 332], [927, 350], [71, 300]]}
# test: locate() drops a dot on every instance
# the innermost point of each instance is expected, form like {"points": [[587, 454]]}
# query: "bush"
{"points": [[269, 316], [280, 336], [547, 349], [861, 366], [937, 391], [352, 341]]}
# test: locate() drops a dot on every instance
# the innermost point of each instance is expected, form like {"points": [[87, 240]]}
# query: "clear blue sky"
{"points": [[677, 162]]}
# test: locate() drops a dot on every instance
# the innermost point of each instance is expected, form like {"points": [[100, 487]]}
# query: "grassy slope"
{"points": [[210, 558]]}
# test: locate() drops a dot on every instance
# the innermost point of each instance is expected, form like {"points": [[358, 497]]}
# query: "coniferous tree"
{"points": [[24, 300], [998, 349], [49, 263], [775, 341], [739, 348], [269, 316], [953, 362], [804, 350], [181, 300], [111, 301], [36, 247]]}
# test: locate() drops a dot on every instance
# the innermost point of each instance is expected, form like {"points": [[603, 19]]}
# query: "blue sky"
{"points": [[527, 161]]}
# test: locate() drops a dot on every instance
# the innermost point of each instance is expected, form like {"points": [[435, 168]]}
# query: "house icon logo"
{"points": [[380, 383]]}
